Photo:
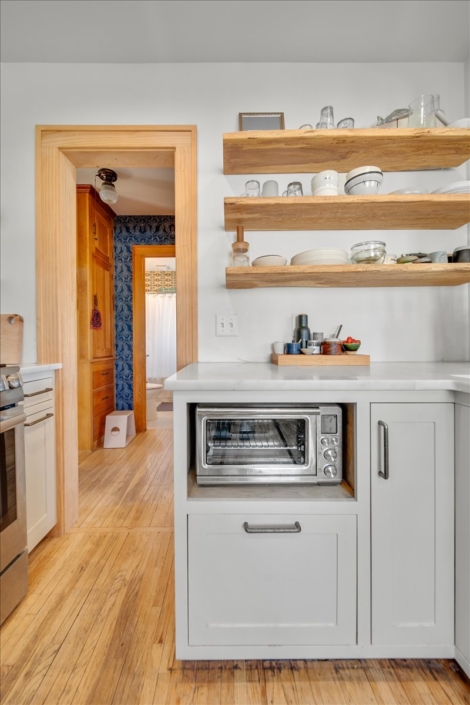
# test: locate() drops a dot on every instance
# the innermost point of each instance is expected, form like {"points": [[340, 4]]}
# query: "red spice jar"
{"points": [[332, 346]]}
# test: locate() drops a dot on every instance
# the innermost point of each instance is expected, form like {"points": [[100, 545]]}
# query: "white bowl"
{"points": [[269, 261], [328, 175], [463, 122], [364, 188], [409, 190], [326, 191], [363, 170]]}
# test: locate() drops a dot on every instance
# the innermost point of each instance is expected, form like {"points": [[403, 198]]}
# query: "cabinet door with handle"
{"points": [[412, 455], [269, 580]]}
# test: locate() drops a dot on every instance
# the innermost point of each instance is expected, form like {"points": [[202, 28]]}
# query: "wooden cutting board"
{"points": [[11, 338], [320, 360]]}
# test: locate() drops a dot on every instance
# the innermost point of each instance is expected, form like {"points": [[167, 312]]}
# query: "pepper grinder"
{"points": [[240, 248], [302, 332]]}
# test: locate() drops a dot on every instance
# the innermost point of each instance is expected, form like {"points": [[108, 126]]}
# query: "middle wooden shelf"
{"points": [[381, 212]]}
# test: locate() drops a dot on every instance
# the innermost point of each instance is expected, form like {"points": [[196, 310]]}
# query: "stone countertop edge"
{"points": [[28, 368], [259, 376]]}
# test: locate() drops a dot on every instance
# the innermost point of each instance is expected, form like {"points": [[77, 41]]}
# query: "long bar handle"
{"points": [[273, 529], [44, 418], [386, 471], [35, 394]]}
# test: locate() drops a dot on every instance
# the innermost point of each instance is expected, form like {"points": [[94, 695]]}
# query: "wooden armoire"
{"points": [[95, 302]]}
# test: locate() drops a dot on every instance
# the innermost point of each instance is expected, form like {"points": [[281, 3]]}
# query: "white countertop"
{"points": [[380, 376], [31, 367]]}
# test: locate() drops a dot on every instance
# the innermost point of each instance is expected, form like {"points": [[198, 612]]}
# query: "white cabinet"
{"points": [[413, 524], [41, 513], [462, 534], [272, 588]]}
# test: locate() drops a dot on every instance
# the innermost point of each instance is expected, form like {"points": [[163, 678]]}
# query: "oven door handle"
{"points": [[294, 528]]}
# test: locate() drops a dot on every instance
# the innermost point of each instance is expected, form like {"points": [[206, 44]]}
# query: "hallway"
{"points": [[97, 625]]}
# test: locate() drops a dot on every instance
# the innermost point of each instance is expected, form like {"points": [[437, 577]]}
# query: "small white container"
{"points": [[279, 347], [270, 189], [329, 177], [326, 191]]}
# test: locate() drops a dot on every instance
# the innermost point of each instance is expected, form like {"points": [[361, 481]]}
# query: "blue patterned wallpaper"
{"points": [[131, 230]]}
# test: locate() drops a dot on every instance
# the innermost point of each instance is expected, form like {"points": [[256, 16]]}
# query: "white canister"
{"points": [[279, 347]]}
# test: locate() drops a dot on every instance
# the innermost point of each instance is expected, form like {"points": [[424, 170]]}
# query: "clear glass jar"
{"points": [[369, 252], [240, 256]]}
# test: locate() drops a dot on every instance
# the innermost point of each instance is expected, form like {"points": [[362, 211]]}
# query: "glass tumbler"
{"points": [[252, 188], [327, 120], [295, 189], [422, 112]]}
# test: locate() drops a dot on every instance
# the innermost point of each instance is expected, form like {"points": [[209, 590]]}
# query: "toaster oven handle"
{"points": [[386, 471], [273, 528]]}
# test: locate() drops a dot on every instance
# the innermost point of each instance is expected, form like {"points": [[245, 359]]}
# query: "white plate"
{"points": [[456, 187], [463, 122], [410, 190]]}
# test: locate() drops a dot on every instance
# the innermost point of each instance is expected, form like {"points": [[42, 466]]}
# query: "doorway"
{"points": [[140, 253], [60, 150]]}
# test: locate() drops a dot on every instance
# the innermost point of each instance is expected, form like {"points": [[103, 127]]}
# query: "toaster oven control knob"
{"points": [[334, 440], [330, 471], [14, 381], [324, 441], [330, 454]]}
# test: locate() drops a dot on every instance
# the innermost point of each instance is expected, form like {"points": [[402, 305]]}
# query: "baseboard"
{"points": [[462, 661]]}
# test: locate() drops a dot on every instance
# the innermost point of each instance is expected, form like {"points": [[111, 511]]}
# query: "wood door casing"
{"points": [[59, 150]]}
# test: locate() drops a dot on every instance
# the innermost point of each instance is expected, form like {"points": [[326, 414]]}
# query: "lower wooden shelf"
{"points": [[348, 275]]}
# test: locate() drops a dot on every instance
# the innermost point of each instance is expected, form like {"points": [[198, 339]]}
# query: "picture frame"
{"points": [[260, 121]]}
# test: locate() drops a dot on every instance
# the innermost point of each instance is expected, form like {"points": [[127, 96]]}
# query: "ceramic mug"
{"points": [[293, 348], [278, 347], [439, 256], [270, 189]]}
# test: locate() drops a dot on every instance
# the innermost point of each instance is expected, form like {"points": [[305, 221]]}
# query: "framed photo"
{"points": [[260, 121]]}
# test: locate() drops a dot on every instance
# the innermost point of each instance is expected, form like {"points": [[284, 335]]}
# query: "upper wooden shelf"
{"points": [[348, 276], [311, 151], [387, 212]]}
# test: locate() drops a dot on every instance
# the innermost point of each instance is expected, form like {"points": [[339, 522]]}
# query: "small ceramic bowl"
{"points": [[269, 261], [351, 347]]}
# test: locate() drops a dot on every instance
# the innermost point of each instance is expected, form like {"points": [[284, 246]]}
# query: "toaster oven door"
{"points": [[237, 445]]}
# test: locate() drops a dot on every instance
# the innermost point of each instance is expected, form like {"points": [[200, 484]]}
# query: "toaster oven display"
{"points": [[329, 423]]}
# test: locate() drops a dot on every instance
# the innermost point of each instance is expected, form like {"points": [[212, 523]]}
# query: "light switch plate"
{"points": [[226, 324]]}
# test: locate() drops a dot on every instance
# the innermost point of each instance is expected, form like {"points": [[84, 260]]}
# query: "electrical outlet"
{"points": [[226, 324]]}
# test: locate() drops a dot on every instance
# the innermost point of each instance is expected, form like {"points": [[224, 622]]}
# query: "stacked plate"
{"points": [[322, 256], [456, 187]]}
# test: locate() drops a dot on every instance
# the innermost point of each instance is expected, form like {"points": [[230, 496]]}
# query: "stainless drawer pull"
{"points": [[44, 418], [35, 394], [386, 471], [104, 398], [273, 528]]}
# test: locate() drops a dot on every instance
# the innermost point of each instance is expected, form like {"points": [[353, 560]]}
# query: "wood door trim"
{"points": [[139, 361], [58, 150]]}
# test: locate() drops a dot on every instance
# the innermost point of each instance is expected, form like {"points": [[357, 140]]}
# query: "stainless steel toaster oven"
{"points": [[269, 444]]}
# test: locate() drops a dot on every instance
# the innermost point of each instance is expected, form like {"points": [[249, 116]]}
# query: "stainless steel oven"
{"points": [[13, 539], [269, 444]]}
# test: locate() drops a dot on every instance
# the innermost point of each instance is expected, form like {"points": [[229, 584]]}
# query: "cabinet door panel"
{"points": [[103, 339], [412, 525], [41, 513], [462, 529], [267, 588]]}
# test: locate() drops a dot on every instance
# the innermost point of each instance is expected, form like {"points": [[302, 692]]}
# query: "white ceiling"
{"points": [[141, 31], [141, 191]]}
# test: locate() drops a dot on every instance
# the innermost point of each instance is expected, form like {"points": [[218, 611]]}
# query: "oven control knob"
{"points": [[3, 383], [330, 454], [324, 441], [334, 440], [14, 381], [330, 471]]}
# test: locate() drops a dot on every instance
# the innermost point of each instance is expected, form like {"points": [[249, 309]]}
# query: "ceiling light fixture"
{"points": [[108, 192]]}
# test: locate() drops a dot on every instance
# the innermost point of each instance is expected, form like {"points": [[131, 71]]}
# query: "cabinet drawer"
{"points": [[272, 588], [38, 391], [99, 423], [103, 400], [103, 376]]}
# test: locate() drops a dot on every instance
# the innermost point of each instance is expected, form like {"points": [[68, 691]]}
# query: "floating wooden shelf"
{"points": [[311, 151], [387, 212], [347, 276]]}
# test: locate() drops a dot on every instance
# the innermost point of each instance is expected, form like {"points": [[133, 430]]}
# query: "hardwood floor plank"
{"points": [[354, 683], [325, 683]]}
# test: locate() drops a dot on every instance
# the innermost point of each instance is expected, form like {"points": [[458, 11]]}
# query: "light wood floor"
{"points": [[97, 624]]}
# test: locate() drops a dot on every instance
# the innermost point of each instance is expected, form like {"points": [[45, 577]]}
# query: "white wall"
{"points": [[394, 324]]}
